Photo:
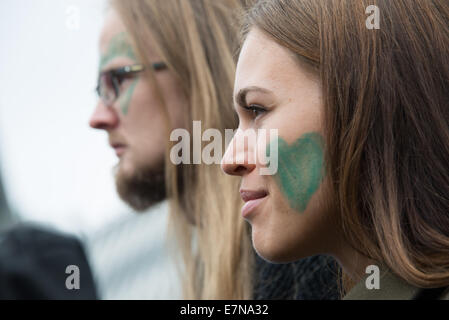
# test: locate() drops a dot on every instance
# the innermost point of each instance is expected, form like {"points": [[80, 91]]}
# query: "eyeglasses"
{"points": [[108, 87]]}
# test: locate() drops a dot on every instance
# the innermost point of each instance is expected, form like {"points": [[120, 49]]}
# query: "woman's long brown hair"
{"points": [[386, 111]]}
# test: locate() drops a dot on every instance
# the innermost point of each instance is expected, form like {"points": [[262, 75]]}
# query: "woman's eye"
{"points": [[255, 110]]}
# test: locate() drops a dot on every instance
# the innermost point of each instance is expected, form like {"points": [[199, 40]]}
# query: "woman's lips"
{"points": [[252, 200]]}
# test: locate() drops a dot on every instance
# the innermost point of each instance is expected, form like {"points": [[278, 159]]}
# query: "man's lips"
{"points": [[119, 148], [252, 200]]}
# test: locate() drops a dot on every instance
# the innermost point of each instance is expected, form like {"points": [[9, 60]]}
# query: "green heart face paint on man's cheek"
{"points": [[300, 169]]}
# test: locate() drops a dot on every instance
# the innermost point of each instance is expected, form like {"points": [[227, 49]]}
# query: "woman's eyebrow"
{"points": [[240, 97]]}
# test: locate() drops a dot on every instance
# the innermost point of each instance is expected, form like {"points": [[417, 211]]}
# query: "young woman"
{"points": [[173, 63], [363, 138]]}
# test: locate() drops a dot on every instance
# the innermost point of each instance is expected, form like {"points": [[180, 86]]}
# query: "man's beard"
{"points": [[144, 188]]}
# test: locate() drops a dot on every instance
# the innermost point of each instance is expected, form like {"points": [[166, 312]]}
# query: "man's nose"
{"points": [[104, 117], [238, 160]]}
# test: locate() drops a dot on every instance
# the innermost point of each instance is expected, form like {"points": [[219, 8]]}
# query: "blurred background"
{"points": [[55, 170]]}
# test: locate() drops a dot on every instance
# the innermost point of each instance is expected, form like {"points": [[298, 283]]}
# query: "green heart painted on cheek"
{"points": [[300, 168]]}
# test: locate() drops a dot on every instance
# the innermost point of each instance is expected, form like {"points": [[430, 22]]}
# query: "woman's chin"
{"points": [[272, 252]]}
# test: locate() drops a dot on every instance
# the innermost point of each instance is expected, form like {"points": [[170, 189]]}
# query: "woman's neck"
{"points": [[353, 263]]}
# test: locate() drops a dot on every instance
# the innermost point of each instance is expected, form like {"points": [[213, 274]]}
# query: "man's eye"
{"points": [[122, 78], [255, 110]]}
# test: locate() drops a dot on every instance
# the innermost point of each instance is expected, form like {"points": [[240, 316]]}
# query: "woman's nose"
{"points": [[237, 160]]}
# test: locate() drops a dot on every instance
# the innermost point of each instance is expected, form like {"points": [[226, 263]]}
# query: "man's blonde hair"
{"points": [[198, 40]]}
